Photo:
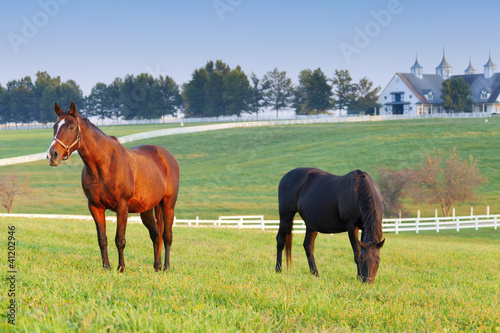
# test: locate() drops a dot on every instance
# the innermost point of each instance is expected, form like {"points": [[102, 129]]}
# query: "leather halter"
{"points": [[68, 147]]}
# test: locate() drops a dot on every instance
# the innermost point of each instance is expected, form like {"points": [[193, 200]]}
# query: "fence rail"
{"points": [[258, 222], [253, 118]]}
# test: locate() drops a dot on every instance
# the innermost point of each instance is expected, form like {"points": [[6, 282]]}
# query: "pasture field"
{"points": [[236, 171], [27, 142], [223, 280]]}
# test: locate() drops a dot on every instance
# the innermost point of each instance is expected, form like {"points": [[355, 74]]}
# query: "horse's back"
{"points": [[292, 184], [163, 162], [323, 200]]}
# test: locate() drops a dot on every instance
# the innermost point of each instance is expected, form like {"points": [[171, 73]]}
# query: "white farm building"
{"points": [[417, 93]]}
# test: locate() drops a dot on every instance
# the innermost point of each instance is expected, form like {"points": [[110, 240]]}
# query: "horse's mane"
{"points": [[365, 196], [97, 129]]}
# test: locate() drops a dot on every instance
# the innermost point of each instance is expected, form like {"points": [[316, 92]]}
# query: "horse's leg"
{"points": [[121, 217], [149, 221], [284, 237], [309, 247], [100, 224], [353, 237], [167, 205]]}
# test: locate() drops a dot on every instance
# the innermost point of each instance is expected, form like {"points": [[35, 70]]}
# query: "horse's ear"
{"points": [[72, 109], [57, 109], [379, 245]]}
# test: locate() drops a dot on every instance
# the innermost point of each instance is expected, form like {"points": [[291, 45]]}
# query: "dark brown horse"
{"points": [[138, 180], [331, 204]]}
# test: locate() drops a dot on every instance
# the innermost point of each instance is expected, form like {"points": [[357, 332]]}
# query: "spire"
{"points": [[470, 70], [489, 68], [444, 69], [416, 69]]}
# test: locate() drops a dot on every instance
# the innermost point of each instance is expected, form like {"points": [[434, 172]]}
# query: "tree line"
{"points": [[213, 90]]}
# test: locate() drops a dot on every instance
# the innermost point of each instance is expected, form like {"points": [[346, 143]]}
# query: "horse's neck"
{"points": [[94, 148]]}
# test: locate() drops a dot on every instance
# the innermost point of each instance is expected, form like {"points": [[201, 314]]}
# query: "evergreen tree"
{"points": [[366, 100], [456, 95], [168, 96], [278, 93], [344, 89], [96, 101], [300, 93], [256, 98], [194, 94], [21, 101], [237, 93], [318, 92], [3, 109]]}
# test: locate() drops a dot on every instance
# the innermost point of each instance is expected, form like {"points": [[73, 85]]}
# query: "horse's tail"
{"points": [[288, 250], [159, 218], [366, 194]]}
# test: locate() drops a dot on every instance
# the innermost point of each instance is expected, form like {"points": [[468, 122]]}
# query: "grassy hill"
{"points": [[223, 280], [236, 171]]}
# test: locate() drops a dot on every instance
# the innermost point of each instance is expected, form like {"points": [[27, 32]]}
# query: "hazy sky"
{"points": [[95, 41]]}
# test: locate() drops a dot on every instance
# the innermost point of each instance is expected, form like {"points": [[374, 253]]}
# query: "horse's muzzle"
{"points": [[54, 157]]}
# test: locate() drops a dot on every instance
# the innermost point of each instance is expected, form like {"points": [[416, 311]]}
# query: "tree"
{"points": [[456, 95], [299, 100], [278, 92], [394, 185], [167, 96], [216, 90], [45, 93], [21, 101], [96, 101], [3, 109], [236, 93], [447, 181], [10, 187], [194, 94], [344, 90], [366, 97], [318, 92], [256, 99]]}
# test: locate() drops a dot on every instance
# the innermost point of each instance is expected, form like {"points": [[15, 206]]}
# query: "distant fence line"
{"points": [[258, 222], [253, 118], [225, 125]]}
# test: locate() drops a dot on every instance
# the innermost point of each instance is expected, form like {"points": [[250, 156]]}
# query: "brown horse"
{"points": [[137, 180], [331, 204]]}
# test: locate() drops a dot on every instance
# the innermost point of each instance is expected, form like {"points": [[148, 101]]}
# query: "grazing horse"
{"points": [[144, 180], [332, 204]]}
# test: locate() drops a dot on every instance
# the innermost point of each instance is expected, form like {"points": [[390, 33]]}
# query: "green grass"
{"points": [[236, 171], [27, 142], [223, 280]]}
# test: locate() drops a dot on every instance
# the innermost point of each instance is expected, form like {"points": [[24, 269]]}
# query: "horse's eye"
{"points": [[72, 127]]}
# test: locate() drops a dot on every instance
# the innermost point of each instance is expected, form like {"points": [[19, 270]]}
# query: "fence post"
{"points": [[240, 222], [437, 221], [396, 230], [495, 222], [197, 220], [488, 211], [457, 220], [472, 211], [262, 225], [174, 221], [417, 221], [477, 222]]}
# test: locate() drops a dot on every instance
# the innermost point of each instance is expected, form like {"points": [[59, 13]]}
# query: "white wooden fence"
{"points": [[257, 222]]}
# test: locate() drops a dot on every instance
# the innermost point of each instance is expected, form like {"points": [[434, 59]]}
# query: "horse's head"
{"points": [[369, 260], [67, 135]]}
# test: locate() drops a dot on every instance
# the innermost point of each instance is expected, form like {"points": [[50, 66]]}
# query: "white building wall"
{"points": [[397, 85]]}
